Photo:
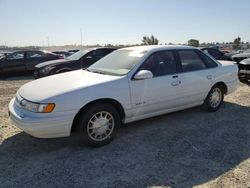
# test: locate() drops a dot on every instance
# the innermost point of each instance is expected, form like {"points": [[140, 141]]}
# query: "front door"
{"points": [[160, 93]]}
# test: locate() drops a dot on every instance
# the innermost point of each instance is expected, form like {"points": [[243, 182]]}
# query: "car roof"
{"points": [[32, 51], [96, 48], [151, 48]]}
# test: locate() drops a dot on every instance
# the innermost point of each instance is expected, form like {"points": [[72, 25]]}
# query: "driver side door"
{"points": [[158, 94]]}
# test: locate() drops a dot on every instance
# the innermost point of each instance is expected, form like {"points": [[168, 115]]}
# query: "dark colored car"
{"points": [[241, 56], [81, 59], [217, 54], [244, 70], [23, 62], [4, 53]]}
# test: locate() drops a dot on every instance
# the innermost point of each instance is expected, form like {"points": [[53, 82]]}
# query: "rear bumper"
{"points": [[41, 127]]}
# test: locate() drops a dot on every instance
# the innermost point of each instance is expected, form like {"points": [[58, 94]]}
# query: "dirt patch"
{"points": [[184, 149]]}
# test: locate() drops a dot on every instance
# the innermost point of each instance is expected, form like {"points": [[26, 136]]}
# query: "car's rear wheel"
{"points": [[97, 124], [214, 99]]}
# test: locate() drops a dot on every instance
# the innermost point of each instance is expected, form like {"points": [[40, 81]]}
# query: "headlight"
{"points": [[46, 69], [37, 107]]}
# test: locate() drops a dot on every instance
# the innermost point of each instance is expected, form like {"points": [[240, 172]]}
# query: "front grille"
{"points": [[244, 67], [238, 59]]}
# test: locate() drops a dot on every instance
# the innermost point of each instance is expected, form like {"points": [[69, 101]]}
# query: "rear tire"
{"points": [[97, 125], [214, 99]]}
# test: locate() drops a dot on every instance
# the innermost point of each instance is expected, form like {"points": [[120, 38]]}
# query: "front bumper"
{"points": [[41, 127], [244, 71], [37, 74]]}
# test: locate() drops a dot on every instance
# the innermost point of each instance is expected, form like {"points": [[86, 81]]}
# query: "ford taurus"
{"points": [[127, 85]]}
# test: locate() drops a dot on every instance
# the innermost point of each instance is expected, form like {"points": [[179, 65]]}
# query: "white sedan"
{"points": [[127, 85]]}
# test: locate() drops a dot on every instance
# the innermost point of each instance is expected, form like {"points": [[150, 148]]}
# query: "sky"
{"points": [[35, 22]]}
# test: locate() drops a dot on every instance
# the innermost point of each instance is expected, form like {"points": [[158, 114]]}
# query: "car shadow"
{"points": [[182, 149]]}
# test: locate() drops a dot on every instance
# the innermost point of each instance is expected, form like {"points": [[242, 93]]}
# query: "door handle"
{"points": [[176, 83], [209, 77]]}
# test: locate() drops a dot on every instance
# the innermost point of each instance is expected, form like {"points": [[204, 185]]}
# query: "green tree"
{"points": [[236, 43], [193, 42], [149, 40]]}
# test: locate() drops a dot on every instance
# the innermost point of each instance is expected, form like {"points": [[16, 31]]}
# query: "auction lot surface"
{"points": [[184, 149]]}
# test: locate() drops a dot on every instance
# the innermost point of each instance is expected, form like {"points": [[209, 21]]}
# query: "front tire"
{"points": [[214, 99], [97, 124]]}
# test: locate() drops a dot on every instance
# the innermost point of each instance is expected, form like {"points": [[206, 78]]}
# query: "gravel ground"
{"points": [[190, 148]]}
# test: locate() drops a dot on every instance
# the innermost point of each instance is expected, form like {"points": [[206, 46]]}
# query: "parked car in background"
{"points": [[81, 59], [217, 54], [127, 85], [2, 54], [23, 62], [241, 56], [62, 54], [244, 70]]}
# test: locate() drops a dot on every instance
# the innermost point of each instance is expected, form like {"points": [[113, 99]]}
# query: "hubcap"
{"points": [[100, 126], [215, 97]]}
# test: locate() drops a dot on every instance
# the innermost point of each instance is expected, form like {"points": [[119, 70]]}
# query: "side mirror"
{"points": [[143, 75]]}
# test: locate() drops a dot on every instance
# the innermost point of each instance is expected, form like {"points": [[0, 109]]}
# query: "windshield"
{"points": [[118, 63], [78, 55]]}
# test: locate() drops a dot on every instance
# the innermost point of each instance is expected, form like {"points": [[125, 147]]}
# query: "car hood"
{"points": [[53, 62], [245, 62], [43, 89], [241, 55]]}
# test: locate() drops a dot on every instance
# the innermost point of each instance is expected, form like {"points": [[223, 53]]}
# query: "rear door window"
{"points": [[191, 61]]}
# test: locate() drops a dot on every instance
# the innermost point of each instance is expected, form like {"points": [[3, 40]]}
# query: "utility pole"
{"points": [[48, 40], [81, 36]]}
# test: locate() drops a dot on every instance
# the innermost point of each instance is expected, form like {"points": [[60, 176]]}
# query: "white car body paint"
{"points": [[140, 99]]}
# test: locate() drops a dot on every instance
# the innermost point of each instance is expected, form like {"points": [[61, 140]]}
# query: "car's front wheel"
{"points": [[97, 124], [214, 99]]}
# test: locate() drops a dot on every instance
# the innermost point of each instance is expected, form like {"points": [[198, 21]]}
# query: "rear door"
{"points": [[14, 64], [196, 76], [33, 58]]}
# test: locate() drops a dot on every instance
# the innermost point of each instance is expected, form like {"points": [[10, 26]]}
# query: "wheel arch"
{"points": [[117, 105], [222, 85]]}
